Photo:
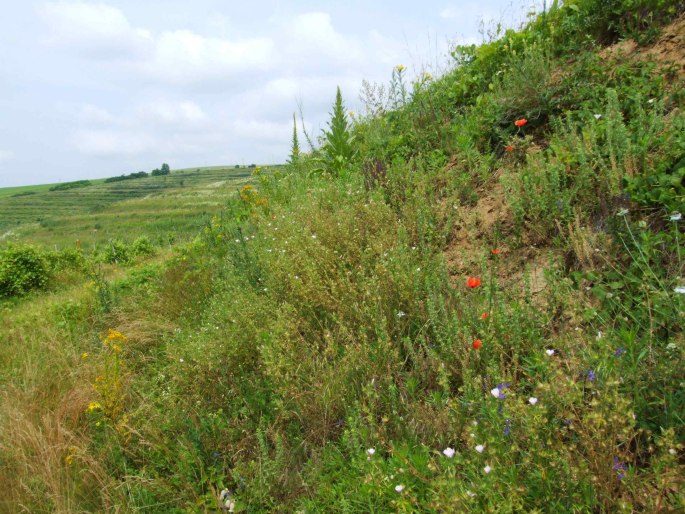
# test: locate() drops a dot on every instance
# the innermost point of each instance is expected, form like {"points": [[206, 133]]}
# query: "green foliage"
{"points": [[295, 145], [130, 176], [338, 143], [71, 185], [120, 252], [605, 21], [22, 269], [589, 160], [317, 347], [159, 172]]}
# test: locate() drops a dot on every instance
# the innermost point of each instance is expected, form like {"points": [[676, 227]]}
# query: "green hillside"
{"points": [[470, 298], [175, 205]]}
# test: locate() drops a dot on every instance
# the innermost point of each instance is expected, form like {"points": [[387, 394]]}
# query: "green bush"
{"points": [[142, 246], [22, 269], [71, 185]]}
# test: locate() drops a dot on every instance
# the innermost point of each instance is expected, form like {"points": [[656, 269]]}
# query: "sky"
{"points": [[93, 89]]}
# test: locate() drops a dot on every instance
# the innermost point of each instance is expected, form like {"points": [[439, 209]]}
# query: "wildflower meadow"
{"points": [[468, 298]]}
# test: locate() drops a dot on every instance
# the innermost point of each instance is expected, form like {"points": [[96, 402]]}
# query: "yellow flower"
{"points": [[84, 355], [69, 459], [115, 335], [93, 406], [400, 68]]}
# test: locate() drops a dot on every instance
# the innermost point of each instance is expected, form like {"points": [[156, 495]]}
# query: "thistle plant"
{"points": [[338, 148], [295, 146]]}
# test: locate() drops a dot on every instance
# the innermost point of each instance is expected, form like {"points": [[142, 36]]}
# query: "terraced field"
{"points": [[164, 208]]}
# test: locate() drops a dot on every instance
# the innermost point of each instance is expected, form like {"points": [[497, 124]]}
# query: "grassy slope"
{"points": [[323, 317], [176, 205]]}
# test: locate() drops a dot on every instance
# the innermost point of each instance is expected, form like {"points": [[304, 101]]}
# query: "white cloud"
{"points": [[6, 155], [102, 32], [313, 35], [161, 125], [180, 114], [182, 93], [266, 131], [89, 113], [449, 13], [110, 142], [95, 30], [183, 56]]}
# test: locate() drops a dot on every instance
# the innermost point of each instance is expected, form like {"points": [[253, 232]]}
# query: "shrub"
{"points": [[71, 185], [22, 268], [142, 246]]}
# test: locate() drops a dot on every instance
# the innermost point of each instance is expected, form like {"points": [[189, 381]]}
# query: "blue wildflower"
{"points": [[619, 468], [507, 427], [619, 351], [502, 386], [591, 375]]}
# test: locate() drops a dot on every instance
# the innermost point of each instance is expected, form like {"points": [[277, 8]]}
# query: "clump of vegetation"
{"points": [[120, 252], [65, 186], [164, 170], [476, 307], [130, 176], [338, 149], [22, 268]]}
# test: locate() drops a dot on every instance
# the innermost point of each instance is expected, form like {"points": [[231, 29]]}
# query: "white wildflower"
{"points": [[448, 452], [676, 216], [480, 448], [549, 352], [495, 392], [399, 488], [532, 400], [487, 469]]}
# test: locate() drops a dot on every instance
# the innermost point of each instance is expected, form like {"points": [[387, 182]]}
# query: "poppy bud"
{"points": [[477, 344]]}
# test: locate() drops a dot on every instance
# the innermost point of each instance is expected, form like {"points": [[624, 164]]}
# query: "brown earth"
{"points": [[668, 50], [473, 236]]}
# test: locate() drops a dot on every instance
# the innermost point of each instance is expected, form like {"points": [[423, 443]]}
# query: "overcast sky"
{"points": [[94, 89]]}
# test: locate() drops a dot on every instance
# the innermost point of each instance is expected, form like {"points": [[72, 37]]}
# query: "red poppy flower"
{"points": [[495, 251], [521, 122], [485, 315], [510, 148], [473, 282], [477, 344]]}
